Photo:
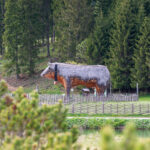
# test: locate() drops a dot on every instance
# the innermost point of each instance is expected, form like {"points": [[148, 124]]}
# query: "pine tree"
{"points": [[47, 21], [122, 44], [22, 31], [141, 70], [103, 6], [11, 36], [31, 27], [2, 3], [98, 44], [147, 7], [73, 26]]}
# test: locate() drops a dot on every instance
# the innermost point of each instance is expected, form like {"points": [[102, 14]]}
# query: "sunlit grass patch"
{"points": [[144, 97]]}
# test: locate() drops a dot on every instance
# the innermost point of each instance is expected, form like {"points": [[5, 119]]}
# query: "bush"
{"points": [[97, 123], [26, 125], [128, 141]]}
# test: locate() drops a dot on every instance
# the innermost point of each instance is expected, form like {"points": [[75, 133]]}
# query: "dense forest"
{"points": [[115, 33]]}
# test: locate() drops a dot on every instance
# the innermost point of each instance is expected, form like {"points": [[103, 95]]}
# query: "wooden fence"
{"points": [[109, 108], [112, 104], [97, 107], [52, 99]]}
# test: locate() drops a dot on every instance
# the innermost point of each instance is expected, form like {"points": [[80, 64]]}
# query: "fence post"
{"points": [[132, 108], [117, 108], [110, 88], [137, 89], [124, 109], [110, 108], [140, 108], [80, 108], [87, 108], [103, 108], [72, 108], [148, 108], [96, 108]]}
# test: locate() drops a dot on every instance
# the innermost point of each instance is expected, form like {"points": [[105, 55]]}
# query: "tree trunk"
{"points": [[3, 12], [53, 39], [1, 50], [17, 66], [47, 42]]}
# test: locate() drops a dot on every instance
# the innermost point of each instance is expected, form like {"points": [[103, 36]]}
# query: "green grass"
{"points": [[107, 115], [144, 97]]}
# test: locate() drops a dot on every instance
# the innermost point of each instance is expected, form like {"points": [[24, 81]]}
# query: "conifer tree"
{"points": [[98, 41], [12, 36], [47, 21], [73, 26], [2, 3], [141, 70], [122, 44], [31, 32], [22, 30]]}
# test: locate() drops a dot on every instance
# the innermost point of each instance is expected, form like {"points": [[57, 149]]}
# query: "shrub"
{"points": [[128, 141], [26, 125], [97, 123]]}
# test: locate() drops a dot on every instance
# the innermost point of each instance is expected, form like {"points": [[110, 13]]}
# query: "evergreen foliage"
{"points": [[73, 27], [30, 33], [129, 140], [141, 71], [12, 37], [25, 125], [47, 21], [86, 31], [21, 44], [1, 25], [98, 42], [123, 35]]}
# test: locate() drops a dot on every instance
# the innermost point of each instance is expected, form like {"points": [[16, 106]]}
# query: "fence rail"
{"points": [[112, 104], [124, 108], [106, 108], [89, 98]]}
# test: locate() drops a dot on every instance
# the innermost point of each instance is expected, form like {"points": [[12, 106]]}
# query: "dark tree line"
{"points": [[115, 33]]}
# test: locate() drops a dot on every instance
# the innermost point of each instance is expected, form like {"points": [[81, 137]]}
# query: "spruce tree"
{"points": [[98, 41], [2, 10], [141, 70], [22, 32], [73, 26], [122, 44], [12, 36], [47, 21], [31, 33]]}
